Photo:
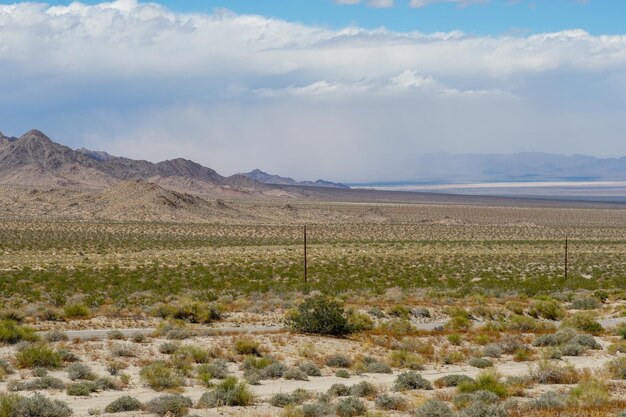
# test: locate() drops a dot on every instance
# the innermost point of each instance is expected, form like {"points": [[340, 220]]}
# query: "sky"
{"points": [[345, 90]]}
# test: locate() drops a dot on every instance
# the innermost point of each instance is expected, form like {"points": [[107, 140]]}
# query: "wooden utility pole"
{"points": [[306, 279], [566, 255]]}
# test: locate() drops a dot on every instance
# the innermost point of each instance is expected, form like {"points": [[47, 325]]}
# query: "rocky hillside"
{"points": [[265, 178]]}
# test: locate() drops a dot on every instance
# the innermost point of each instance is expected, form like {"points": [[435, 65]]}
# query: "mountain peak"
{"points": [[35, 136]]}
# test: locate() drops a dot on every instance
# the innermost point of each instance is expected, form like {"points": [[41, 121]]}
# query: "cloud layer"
{"points": [[240, 91]]}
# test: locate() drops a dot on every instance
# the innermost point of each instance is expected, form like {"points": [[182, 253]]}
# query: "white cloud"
{"points": [[381, 4], [125, 73]]}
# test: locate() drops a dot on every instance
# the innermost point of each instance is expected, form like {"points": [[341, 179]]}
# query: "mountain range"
{"points": [[35, 160], [265, 178]]}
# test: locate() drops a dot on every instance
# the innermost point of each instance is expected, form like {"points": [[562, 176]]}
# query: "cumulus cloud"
{"points": [[235, 91]]}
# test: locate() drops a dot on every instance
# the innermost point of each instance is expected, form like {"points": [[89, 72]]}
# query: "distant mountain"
{"points": [[265, 178], [525, 166], [35, 160]]}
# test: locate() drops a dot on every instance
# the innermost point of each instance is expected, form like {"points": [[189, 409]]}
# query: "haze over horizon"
{"points": [[346, 92]]}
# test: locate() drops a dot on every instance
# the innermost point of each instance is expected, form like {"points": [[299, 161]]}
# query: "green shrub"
{"points": [[342, 373], [295, 374], [359, 322], [590, 393], [320, 315], [350, 407], [480, 363], [338, 390], [195, 353], [216, 370], [122, 404], [485, 381], [76, 311], [411, 380], [81, 389], [363, 389], [452, 381], [390, 402], [116, 335], [397, 327], [617, 368], [190, 311], [399, 310], [160, 376], [169, 348], [283, 400], [318, 409], [338, 361], [274, 370], [38, 355], [169, 403], [455, 339], [492, 350], [56, 336], [435, 408], [114, 367], [247, 347], [38, 405], [546, 372], [586, 303], [483, 409], [80, 371], [37, 384], [310, 369], [12, 333], [229, 392], [549, 401], [138, 337], [124, 350], [583, 321], [406, 359], [546, 309], [525, 324]]}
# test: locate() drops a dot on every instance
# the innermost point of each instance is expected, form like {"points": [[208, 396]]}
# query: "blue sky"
{"points": [[489, 18], [313, 89]]}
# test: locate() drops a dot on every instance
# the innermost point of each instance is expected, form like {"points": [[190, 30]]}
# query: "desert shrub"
{"points": [[5, 367], [546, 372], [405, 359], [545, 340], [38, 355], [422, 312], [586, 303], [342, 373], [525, 324], [169, 403], [572, 349], [590, 393], [460, 323], [376, 312], [190, 311], [620, 330], [114, 367], [452, 357], [338, 390], [37, 405], [397, 327], [218, 369], [274, 370], [229, 392], [160, 376], [81, 389], [12, 333], [492, 350], [549, 401], [338, 361], [583, 321], [123, 350], [480, 363], [76, 311], [320, 315], [350, 407], [138, 337], [122, 404], [195, 353], [246, 346], [434, 408], [40, 372], [363, 389], [485, 381], [56, 336], [174, 330], [359, 322], [295, 374], [515, 307], [283, 400], [67, 356], [318, 409], [455, 339], [372, 366], [310, 369], [252, 376], [483, 409], [452, 380], [37, 384], [390, 402], [511, 344], [411, 380], [80, 371], [587, 341], [252, 362], [115, 335], [617, 368], [399, 310], [546, 309], [565, 334], [169, 348]]}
